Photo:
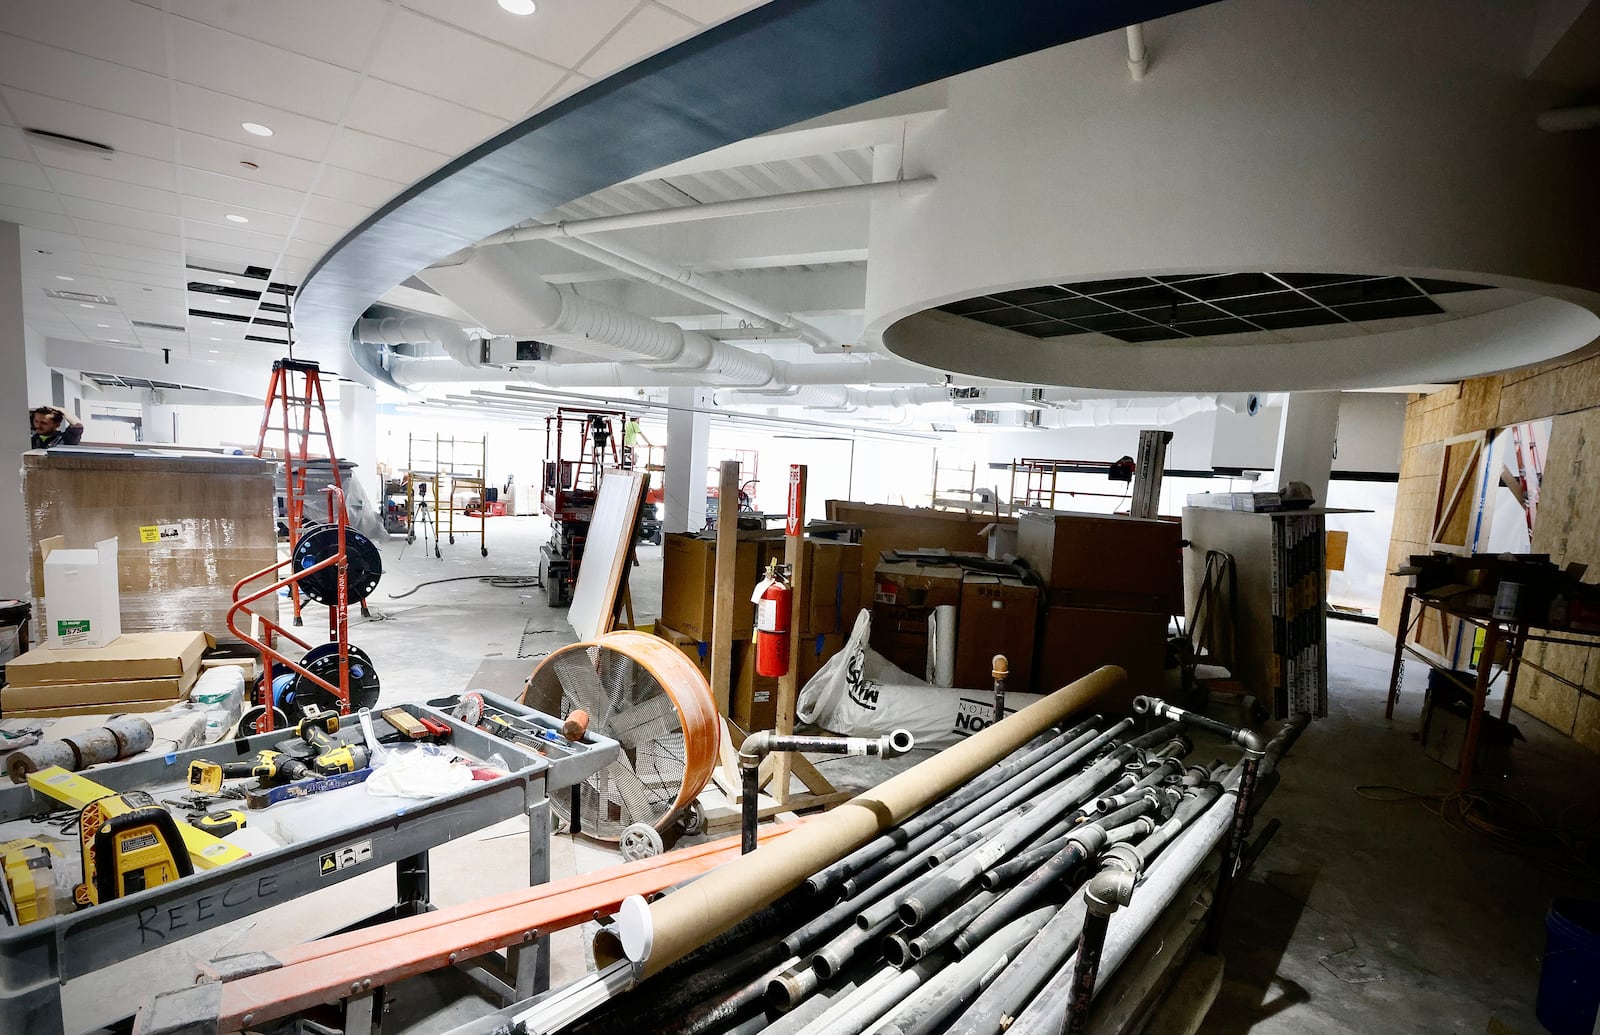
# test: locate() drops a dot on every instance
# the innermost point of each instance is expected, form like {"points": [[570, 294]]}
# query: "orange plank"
{"points": [[390, 952]]}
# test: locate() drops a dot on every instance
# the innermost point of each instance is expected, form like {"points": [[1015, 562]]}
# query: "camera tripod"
{"points": [[422, 517]]}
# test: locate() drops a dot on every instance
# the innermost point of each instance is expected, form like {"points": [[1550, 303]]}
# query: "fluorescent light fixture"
{"points": [[105, 325], [85, 305], [215, 339], [256, 128], [63, 276], [233, 217], [216, 323], [224, 280], [519, 6]]}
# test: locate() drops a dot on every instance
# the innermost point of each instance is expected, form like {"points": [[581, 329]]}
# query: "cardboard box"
{"points": [[81, 596], [112, 708], [885, 527], [998, 615], [134, 656], [754, 702], [1103, 554], [188, 528], [1445, 715], [904, 595], [688, 583], [831, 596], [112, 695], [698, 651], [1075, 641]]}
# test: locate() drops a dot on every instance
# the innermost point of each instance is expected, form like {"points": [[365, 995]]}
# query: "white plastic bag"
{"points": [[417, 773], [859, 693]]}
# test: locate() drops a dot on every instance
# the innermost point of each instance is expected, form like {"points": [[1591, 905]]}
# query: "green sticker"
{"points": [[78, 625]]}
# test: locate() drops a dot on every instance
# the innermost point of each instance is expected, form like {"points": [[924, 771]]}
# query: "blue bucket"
{"points": [[1569, 980]]}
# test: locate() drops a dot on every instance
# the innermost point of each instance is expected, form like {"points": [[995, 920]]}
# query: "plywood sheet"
{"points": [[1478, 407], [607, 552]]}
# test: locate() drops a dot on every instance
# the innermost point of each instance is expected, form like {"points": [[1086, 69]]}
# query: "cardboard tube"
{"points": [[692, 915]]}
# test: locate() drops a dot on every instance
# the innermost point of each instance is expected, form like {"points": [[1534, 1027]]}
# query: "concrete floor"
{"points": [[1361, 916]]}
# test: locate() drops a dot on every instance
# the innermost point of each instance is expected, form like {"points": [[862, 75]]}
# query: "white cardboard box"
{"points": [[82, 604]]}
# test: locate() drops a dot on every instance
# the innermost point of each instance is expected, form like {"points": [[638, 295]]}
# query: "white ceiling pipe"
{"points": [[1138, 57], [736, 303], [888, 189], [1154, 413], [409, 372], [837, 398], [416, 329]]}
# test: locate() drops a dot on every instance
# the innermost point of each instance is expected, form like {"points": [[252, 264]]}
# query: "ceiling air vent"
{"points": [[149, 326], [51, 138], [80, 296]]}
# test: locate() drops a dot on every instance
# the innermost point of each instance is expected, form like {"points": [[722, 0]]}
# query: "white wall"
{"points": [[1371, 425]]}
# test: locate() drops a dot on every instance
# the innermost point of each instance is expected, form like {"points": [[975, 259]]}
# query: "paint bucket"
{"points": [[1569, 996]]}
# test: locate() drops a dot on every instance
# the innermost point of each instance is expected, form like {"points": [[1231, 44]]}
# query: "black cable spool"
{"points": [[319, 542], [322, 661]]}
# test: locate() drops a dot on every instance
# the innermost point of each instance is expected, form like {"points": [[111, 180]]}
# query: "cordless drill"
{"points": [[267, 766], [332, 755]]}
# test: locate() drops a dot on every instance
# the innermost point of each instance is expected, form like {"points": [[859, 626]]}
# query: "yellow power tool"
{"points": [[267, 766], [28, 880]]}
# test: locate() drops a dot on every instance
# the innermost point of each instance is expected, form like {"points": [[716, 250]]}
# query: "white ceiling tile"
{"points": [[224, 156], [231, 64], [51, 241], [216, 233], [85, 80], [358, 187], [128, 168], [23, 174], [98, 188], [157, 256], [129, 135], [340, 32], [127, 34], [235, 190], [560, 31], [27, 197], [338, 213], [28, 217], [398, 113], [121, 215], [218, 115], [710, 12], [445, 62], [274, 224], [649, 30], [95, 232], [324, 234], [391, 159], [305, 249], [144, 273], [13, 144]]}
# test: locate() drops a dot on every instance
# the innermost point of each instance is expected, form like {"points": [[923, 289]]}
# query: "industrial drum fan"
{"points": [[644, 693]]}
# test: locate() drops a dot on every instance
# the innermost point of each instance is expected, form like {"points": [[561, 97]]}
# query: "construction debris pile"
{"points": [[968, 915]]}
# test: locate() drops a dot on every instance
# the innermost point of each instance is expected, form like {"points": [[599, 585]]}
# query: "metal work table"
{"points": [[35, 959], [1513, 634]]}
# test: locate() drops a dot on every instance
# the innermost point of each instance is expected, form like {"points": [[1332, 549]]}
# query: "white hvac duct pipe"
{"points": [[398, 330], [631, 261], [888, 189], [1138, 58], [817, 395], [1096, 413]]}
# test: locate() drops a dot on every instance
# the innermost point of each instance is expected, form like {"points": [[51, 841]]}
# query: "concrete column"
{"points": [[688, 434], [40, 388], [1307, 436], [15, 560], [356, 431]]}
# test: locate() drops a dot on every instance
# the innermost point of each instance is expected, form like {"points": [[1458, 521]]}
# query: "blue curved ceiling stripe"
{"points": [[782, 63]]}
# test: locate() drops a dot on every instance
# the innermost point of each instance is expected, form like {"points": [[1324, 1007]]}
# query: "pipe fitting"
{"points": [[1108, 891], [1125, 856], [1090, 838], [763, 742]]}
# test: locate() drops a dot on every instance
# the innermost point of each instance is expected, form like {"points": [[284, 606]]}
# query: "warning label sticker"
{"points": [[343, 858], [160, 533]]}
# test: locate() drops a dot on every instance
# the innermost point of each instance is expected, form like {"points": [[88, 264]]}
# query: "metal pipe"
{"points": [[1138, 57], [833, 876], [831, 958], [1000, 668], [1231, 851], [1248, 739], [762, 743], [941, 933], [926, 1009], [1103, 895]]}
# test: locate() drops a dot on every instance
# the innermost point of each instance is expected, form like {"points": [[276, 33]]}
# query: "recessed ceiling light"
{"points": [[212, 351], [235, 218], [216, 323], [117, 340], [519, 6], [215, 339], [224, 280], [85, 305], [256, 128], [63, 276], [105, 325]]}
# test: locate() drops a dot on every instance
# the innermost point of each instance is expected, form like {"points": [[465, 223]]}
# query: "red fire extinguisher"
{"points": [[773, 599]]}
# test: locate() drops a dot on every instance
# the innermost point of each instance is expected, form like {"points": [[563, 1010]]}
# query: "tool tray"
{"points": [[36, 957], [570, 763]]}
